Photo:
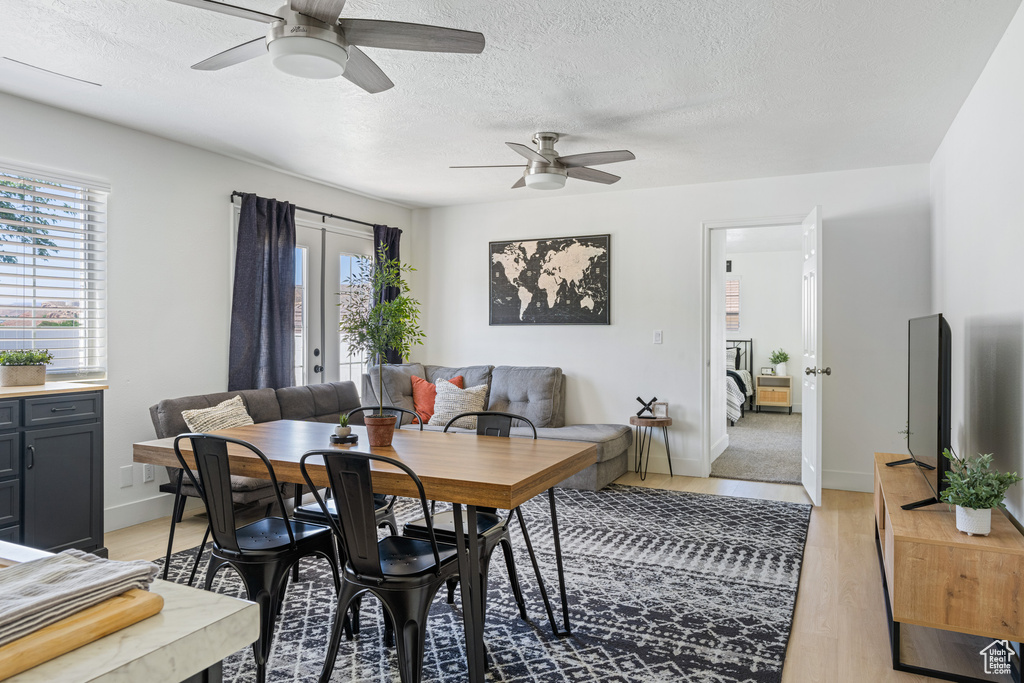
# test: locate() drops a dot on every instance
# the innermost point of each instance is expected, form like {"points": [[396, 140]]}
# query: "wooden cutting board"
{"points": [[77, 630]]}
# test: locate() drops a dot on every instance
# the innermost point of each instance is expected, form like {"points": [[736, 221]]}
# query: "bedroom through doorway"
{"points": [[756, 305]]}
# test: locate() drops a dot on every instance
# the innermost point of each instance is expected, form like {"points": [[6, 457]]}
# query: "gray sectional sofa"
{"points": [[536, 393]]}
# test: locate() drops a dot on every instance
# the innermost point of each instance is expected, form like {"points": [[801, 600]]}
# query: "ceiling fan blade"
{"points": [[494, 166], [519, 183], [525, 151], [236, 55], [326, 11], [397, 35], [231, 10], [592, 174], [596, 158], [362, 71]]}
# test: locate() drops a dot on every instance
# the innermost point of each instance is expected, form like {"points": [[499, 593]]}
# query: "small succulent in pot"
{"points": [[24, 367], [343, 430], [975, 488]]}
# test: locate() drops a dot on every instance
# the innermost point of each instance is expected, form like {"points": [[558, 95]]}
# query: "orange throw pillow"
{"points": [[424, 393]]}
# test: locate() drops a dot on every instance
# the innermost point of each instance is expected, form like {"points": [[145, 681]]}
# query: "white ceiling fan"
{"points": [[308, 38], [548, 171]]}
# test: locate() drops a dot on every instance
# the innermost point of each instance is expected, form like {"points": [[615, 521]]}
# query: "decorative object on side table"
{"points": [[557, 281], [975, 489], [375, 327], [24, 367], [768, 371], [648, 406], [778, 358], [660, 409]]}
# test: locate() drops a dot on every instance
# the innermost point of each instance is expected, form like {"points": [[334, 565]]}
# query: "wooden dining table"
{"points": [[463, 469]]}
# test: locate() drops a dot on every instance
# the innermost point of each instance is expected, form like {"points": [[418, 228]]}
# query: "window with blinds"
{"points": [[732, 305], [53, 270]]}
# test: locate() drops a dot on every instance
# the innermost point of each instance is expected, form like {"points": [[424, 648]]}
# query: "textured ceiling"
{"points": [[700, 90]]}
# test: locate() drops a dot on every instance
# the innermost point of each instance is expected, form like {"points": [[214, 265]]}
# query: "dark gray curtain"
{"points": [[262, 352], [389, 239]]}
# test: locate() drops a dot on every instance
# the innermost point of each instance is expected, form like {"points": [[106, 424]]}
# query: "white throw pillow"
{"points": [[224, 415], [451, 401]]}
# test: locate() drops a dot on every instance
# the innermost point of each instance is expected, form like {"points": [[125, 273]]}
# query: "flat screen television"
{"points": [[928, 400]]}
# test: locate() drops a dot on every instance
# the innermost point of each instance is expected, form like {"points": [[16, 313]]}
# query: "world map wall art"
{"points": [[557, 281]]}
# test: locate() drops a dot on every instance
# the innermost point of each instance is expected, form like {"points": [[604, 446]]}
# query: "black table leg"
{"points": [[472, 601], [668, 453]]}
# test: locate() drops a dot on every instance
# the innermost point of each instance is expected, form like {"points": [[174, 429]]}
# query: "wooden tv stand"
{"points": [[938, 577]]}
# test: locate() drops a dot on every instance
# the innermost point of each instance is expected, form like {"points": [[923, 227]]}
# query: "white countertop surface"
{"points": [[195, 630]]}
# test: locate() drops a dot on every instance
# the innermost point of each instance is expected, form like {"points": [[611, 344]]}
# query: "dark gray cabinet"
{"points": [[51, 471]]}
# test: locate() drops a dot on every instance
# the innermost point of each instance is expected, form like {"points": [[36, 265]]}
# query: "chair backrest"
{"points": [[351, 483], [388, 410], [214, 484], [492, 423]]}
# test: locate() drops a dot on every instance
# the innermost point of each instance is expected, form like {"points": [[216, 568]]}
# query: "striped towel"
{"points": [[41, 592]]}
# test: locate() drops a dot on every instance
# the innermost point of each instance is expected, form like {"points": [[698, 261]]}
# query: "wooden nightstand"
{"points": [[774, 391]]}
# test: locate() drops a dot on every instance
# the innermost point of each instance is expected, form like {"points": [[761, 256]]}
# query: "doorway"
{"points": [[762, 299]]}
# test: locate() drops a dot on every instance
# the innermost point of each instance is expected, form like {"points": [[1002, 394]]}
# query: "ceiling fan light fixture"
{"points": [[545, 181], [307, 57]]}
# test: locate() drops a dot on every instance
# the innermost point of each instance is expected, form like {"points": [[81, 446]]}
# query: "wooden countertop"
{"points": [[49, 388]]}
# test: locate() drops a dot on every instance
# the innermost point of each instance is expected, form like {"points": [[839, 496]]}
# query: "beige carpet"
{"points": [[762, 447]]}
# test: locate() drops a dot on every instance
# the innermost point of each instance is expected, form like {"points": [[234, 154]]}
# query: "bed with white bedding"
{"points": [[739, 382]]}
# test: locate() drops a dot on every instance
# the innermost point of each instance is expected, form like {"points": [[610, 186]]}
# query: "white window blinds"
{"points": [[53, 270], [732, 305]]}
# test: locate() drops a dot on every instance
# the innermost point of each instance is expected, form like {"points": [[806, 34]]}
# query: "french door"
{"points": [[325, 257]]}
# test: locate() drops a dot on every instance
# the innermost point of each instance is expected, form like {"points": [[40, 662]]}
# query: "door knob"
{"points": [[317, 369], [809, 371], [826, 371]]}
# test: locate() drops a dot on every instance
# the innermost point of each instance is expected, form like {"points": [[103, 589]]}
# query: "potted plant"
{"points": [[342, 430], [372, 327], [975, 488], [778, 358], [24, 367]]}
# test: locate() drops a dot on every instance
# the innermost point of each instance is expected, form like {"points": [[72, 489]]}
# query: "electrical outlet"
{"points": [[148, 473], [657, 336], [126, 476]]}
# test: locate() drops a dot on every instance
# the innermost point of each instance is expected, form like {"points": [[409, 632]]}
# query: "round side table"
{"points": [[642, 436]]}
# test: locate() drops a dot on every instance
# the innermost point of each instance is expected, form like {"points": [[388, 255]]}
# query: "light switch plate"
{"points": [[126, 476], [657, 336]]}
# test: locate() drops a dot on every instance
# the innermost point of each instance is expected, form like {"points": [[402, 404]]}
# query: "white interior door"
{"points": [[324, 258], [811, 370]]}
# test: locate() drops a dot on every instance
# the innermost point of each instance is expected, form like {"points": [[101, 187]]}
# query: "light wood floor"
{"points": [[839, 631]]}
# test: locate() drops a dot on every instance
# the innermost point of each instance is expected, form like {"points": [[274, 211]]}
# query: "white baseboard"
{"points": [[719, 446], [128, 514], [847, 481]]}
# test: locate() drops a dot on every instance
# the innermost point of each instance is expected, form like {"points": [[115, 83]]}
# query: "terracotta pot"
{"points": [[22, 375], [380, 430]]}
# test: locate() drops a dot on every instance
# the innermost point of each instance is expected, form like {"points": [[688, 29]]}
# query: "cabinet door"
{"points": [[63, 499]]}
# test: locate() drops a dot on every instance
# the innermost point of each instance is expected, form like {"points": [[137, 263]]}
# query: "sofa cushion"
{"points": [[534, 393], [611, 439], [317, 402], [261, 404], [397, 389], [224, 415], [452, 400], [473, 375], [424, 394]]}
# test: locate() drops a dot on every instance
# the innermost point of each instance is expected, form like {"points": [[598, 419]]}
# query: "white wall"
{"points": [[978, 214], [770, 292], [168, 261], [718, 437], [876, 265]]}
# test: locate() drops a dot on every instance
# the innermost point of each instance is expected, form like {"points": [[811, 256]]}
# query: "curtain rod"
{"points": [[236, 193]]}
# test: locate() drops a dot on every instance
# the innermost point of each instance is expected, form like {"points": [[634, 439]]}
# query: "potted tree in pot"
{"points": [[24, 367], [373, 327], [778, 358], [975, 488]]}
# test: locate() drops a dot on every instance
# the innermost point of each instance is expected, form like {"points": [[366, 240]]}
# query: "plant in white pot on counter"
{"points": [[342, 430], [778, 358], [24, 367], [975, 489], [372, 327]]}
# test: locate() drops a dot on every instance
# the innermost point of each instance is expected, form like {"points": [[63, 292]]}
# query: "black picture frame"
{"points": [[516, 270]]}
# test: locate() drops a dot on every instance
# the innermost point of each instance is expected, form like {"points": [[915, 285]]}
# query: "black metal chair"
{"points": [[491, 528], [404, 573], [261, 552]]}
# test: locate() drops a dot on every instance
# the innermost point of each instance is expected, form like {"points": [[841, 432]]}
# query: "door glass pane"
{"points": [[301, 326], [351, 367]]}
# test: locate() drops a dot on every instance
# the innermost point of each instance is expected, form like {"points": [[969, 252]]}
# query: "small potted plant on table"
{"points": [[374, 327], [975, 488], [778, 358], [24, 367], [342, 430]]}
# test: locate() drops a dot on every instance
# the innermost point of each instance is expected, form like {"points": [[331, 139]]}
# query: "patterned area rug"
{"points": [[663, 586], [762, 447]]}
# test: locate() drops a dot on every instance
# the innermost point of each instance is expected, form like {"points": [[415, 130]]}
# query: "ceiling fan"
{"points": [[307, 38], [547, 171]]}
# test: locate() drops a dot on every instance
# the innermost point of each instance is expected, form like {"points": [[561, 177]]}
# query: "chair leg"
{"points": [[264, 584], [199, 556], [347, 593], [410, 610], [176, 511], [513, 576], [296, 504]]}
